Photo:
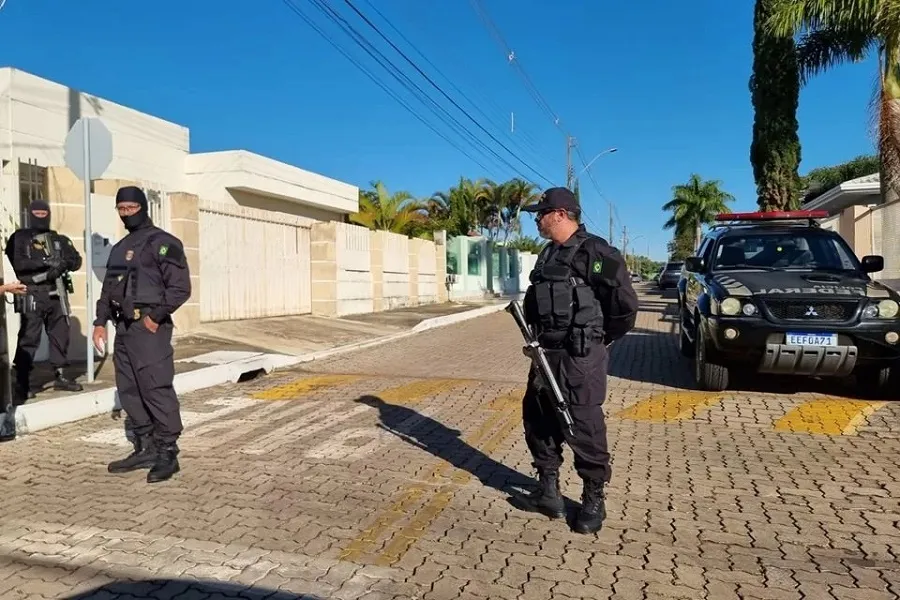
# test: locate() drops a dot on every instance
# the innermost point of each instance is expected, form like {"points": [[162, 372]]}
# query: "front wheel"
{"points": [[707, 376], [685, 345], [878, 383]]}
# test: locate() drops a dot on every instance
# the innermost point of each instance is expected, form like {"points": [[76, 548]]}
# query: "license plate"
{"points": [[812, 339]]}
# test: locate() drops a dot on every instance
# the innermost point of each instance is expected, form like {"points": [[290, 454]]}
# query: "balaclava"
{"points": [[140, 218], [43, 223]]}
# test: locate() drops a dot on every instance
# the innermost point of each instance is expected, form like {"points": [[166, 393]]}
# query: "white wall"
{"points": [[37, 115], [235, 176], [354, 270]]}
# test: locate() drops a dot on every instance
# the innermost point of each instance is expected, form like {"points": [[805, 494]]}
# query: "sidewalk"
{"points": [[226, 351]]}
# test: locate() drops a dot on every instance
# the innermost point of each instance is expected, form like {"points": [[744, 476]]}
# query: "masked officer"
{"points": [[580, 300], [40, 257], [147, 279]]}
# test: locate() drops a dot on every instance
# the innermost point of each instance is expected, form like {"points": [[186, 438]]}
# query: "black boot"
{"points": [[144, 456], [593, 508], [8, 424], [546, 499], [65, 384], [166, 464]]}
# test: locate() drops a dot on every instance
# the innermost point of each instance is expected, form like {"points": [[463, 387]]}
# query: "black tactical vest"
{"points": [[134, 284], [560, 306]]}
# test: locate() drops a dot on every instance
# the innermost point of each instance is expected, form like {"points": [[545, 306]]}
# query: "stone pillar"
{"points": [[414, 271], [376, 251], [185, 225], [440, 276], [323, 269]]}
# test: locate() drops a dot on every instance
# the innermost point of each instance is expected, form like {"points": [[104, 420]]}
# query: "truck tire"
{"points": [[876, 383], [707, 376], [685, 345]]}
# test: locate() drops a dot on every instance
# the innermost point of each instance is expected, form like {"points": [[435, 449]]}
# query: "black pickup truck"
{"points": [[774, 292]]}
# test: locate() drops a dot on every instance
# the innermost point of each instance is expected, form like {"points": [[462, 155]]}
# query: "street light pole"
{"points": [[587, 166]]}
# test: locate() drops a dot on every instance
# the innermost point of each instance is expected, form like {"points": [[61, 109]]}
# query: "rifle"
{"points": [[538, 357], [63, 283]]}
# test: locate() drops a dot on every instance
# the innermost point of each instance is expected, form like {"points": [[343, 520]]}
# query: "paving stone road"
{"points": [[384, 474]]}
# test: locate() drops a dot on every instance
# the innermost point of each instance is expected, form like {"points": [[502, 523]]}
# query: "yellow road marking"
{"points": [[828, 416], [502, 407], [416, 391], [407, 537], [669, 406], [303, 387]]}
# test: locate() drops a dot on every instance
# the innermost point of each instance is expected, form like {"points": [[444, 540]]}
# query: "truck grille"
{"points": [[812, 310]]}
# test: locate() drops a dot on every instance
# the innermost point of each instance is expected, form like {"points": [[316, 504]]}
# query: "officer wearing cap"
{"points": [[580, 300], [147, 279], [41, 258]]}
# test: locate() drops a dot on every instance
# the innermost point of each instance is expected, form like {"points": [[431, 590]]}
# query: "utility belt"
{"points": [[129, 312]]}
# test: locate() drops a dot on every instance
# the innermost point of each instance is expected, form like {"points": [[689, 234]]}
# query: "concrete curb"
{"points": [[68, 409]]}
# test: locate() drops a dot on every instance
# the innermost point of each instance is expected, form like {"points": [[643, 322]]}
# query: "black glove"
{"points": [[57, 267]]}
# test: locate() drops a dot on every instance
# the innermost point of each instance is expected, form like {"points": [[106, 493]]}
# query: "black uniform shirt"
{"points": [[603, 268], [163, 260], [27, 260]]}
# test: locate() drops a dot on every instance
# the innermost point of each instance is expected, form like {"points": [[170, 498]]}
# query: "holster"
{"points": [[24, 303]]}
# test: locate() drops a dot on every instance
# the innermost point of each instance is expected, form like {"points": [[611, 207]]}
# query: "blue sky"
{"points": [[664, 82]]}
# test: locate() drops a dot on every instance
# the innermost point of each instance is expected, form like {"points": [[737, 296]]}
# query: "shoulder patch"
{"points": [[164, 249], [597, 266]]}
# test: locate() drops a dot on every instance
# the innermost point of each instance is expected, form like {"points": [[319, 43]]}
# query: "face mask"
{"points": [[135, 221], [41, 224]]}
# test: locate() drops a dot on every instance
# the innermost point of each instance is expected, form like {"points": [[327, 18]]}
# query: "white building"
{"points": [[244, 218]]}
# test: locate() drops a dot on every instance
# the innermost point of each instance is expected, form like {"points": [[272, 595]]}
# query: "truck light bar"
{"points": [[775, 215]]}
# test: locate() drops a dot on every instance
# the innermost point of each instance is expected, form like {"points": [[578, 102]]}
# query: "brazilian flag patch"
{"points": [[163, 250], [597, 266]]}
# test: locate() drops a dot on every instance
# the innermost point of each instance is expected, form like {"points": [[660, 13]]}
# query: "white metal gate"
{"points": [[253, 264]]}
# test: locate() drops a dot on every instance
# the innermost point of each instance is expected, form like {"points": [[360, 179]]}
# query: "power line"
{"points": [[378, 82], [526, 143], [438, 88]]}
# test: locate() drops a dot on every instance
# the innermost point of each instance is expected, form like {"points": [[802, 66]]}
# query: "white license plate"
{"points": [[812, 339]]}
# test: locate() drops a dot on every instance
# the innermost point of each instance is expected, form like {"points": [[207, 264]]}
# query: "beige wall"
{"points": [[355, 270]]}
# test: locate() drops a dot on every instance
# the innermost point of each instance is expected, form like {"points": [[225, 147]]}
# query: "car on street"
{"points": [[774, 292], [670, 275]]}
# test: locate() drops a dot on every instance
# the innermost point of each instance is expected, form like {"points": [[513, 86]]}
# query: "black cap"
{"points": [[558, 198], [131, 193]]}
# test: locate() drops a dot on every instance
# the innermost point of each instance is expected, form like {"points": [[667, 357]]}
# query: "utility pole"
{"points": [[625, 245], [570, 171], [610, 224]]}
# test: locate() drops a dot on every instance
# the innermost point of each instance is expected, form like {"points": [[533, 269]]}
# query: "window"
{"points": [[801, 249], [32, 186]]}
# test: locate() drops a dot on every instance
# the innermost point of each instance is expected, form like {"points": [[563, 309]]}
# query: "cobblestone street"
{"points": [[385, 473]]}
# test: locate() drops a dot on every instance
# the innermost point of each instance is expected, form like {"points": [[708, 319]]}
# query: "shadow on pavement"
{"points": [[445, 443], [650, 356], [184, 588]]}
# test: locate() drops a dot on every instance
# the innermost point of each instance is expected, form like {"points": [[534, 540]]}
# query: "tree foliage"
{"points": [[775, 90], [694, 204], [820, 180]]}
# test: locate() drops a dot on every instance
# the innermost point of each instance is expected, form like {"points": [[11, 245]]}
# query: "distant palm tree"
{"points": [[397, 212], [694, 204]]}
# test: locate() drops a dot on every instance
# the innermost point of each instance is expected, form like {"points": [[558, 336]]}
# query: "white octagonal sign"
{"points": [[96, 155]]}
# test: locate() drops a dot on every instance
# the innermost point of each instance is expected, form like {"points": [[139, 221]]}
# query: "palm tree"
{"points": [[836, 31], [397, 212], [518, 194], [694, 204]]}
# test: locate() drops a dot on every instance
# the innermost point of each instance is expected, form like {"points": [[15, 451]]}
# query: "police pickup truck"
{"points": [[774, 292]]}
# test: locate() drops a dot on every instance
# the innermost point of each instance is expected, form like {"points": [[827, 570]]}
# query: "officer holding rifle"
{"points": [[580, 300], [42, 260]]}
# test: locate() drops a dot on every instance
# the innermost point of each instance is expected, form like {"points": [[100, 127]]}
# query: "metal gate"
{"points": [[253, 264]]}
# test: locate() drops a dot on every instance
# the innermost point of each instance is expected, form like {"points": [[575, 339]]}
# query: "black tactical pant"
{"points": [[582, 381], [47, 313], [145, 372]]}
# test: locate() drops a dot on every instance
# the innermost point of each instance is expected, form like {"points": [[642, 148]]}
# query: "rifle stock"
{"points": [[539, 359]]}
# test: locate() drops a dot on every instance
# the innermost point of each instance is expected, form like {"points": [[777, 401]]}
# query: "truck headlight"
{"points": [[888, 309], [885, 309], [730, 306]]}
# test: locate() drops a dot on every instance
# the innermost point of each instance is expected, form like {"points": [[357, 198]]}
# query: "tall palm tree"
{"points": [[518, 194], [396, 212], [836, 31], [694, 204]]}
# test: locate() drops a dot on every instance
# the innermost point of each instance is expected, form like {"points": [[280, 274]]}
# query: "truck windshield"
{"points": [[799, 250]]}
